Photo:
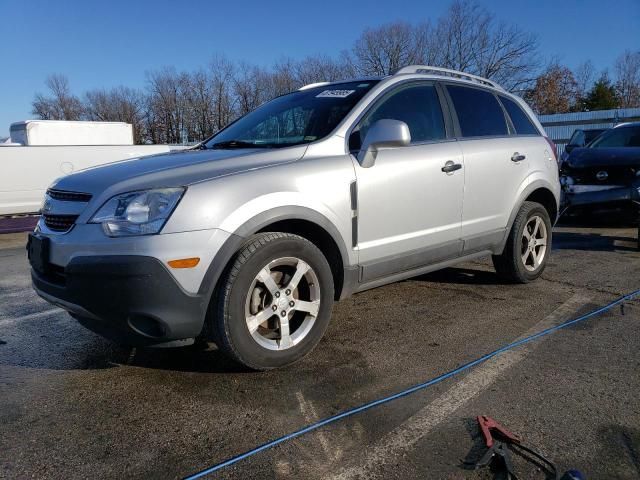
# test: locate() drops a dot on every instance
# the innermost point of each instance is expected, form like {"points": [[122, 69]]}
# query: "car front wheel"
{"points": [[275, 301]]}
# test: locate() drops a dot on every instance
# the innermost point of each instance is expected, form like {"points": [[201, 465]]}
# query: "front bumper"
{"points": [[133, 300], [619, 195]]}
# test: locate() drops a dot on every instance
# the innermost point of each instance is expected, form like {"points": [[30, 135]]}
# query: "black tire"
{"points": [[510, 265], [229, 323]]}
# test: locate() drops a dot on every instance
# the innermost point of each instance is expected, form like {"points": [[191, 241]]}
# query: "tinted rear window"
{"points": [[520, 120], [479, 112]]}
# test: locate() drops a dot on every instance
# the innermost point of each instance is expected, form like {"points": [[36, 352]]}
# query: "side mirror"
{"points": [[570, 147], [383, 133]]}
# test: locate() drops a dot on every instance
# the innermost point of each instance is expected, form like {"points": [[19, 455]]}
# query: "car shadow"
{"points": [[194, 359], [79, 349], [593, 242], [462, 276]]}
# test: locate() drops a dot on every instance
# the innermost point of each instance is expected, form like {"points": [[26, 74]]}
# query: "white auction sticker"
{"points": [[335, 93]]}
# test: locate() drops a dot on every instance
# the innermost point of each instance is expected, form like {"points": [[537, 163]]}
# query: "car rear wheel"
{"points": [[275, 301], [527, 249]]}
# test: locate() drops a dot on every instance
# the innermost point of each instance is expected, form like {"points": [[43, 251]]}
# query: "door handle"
{"points": [[451, 167], [518, 157]]}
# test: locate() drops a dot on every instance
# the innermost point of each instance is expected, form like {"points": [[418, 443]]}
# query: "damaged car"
{"points": [[606, 174]]}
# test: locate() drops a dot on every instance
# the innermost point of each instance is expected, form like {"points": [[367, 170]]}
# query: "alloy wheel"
{"points": [[534, 243], [282, 303]]}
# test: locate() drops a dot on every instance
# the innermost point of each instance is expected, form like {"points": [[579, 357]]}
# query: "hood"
{"points": [[603, 157], [174, 169]]}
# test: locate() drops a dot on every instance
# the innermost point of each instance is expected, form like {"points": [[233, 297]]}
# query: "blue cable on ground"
{"points": [[410, 390]]}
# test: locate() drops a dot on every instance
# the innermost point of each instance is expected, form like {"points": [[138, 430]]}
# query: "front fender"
{"points": [[253, 217], [273, 207], [243, 226]]}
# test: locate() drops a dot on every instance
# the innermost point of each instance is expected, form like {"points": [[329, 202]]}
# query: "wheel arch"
{"points": [[297, 220], [321, 238], [545, 197], [537, 191]]}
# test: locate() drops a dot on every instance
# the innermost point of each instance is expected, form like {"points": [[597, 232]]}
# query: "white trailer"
{"points": [[43, 151], [61, 132]]}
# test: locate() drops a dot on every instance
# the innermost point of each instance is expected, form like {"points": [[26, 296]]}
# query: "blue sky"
{"points": [[109, 43]]}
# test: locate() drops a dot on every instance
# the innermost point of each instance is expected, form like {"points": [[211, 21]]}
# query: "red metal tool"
{"points": [[488, 426]]}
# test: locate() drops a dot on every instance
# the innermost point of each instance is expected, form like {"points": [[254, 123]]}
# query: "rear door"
{"points": [[496, 165], [409, 210]]}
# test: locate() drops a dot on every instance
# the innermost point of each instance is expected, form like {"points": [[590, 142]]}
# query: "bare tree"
{"points": [[627, 73], [318, 68], [457, 32], [471, 40], [251, 87], [385, 49], [509, 56], [283, 78], [166, 106], [427, 51], [200, 105], [222, 75], [585, 76], [466, 38], [61, 104], [120, 104]]}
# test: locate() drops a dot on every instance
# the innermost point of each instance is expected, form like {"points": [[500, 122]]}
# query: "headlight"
{"points": [[137, 213], [567, 181]]}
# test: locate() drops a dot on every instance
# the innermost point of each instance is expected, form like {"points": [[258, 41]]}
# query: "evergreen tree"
{"points": [[602, 96]]}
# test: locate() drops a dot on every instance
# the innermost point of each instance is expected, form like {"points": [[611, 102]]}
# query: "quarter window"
{"points": [[479, 113], [521, 121], [416, 105]]}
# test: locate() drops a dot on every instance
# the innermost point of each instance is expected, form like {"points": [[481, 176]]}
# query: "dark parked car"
{"points": [[606, 175], [580, 138]]}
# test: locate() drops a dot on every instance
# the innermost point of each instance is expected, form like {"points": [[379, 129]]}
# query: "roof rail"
{"points": [[313, 85], [446, 72]]}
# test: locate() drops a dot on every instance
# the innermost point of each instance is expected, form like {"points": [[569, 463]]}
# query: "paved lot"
{"points": [[74, 406]]}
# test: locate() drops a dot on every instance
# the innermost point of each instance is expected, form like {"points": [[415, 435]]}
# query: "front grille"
{"points": [[615, 175], [68, 196], [59, 223]]}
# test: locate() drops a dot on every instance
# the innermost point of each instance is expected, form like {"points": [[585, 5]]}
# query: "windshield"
{"points": [[293, 119], [577, 138], [619, 137]]}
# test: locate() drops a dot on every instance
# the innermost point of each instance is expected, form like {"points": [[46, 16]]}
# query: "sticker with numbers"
{"points": [[335, 93]]}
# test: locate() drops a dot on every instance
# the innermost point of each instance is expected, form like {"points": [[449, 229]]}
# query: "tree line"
{"points": [[189, 106], [559, 89]]}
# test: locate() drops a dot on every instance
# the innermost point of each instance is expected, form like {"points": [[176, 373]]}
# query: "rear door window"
{"points": [[521, 121], [479, 113]]}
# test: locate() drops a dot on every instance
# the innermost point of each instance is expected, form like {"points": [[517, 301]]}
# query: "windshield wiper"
{"points": [[239, 144]]}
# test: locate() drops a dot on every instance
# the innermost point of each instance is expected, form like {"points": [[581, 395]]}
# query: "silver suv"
{"points": [[249, 238]]}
